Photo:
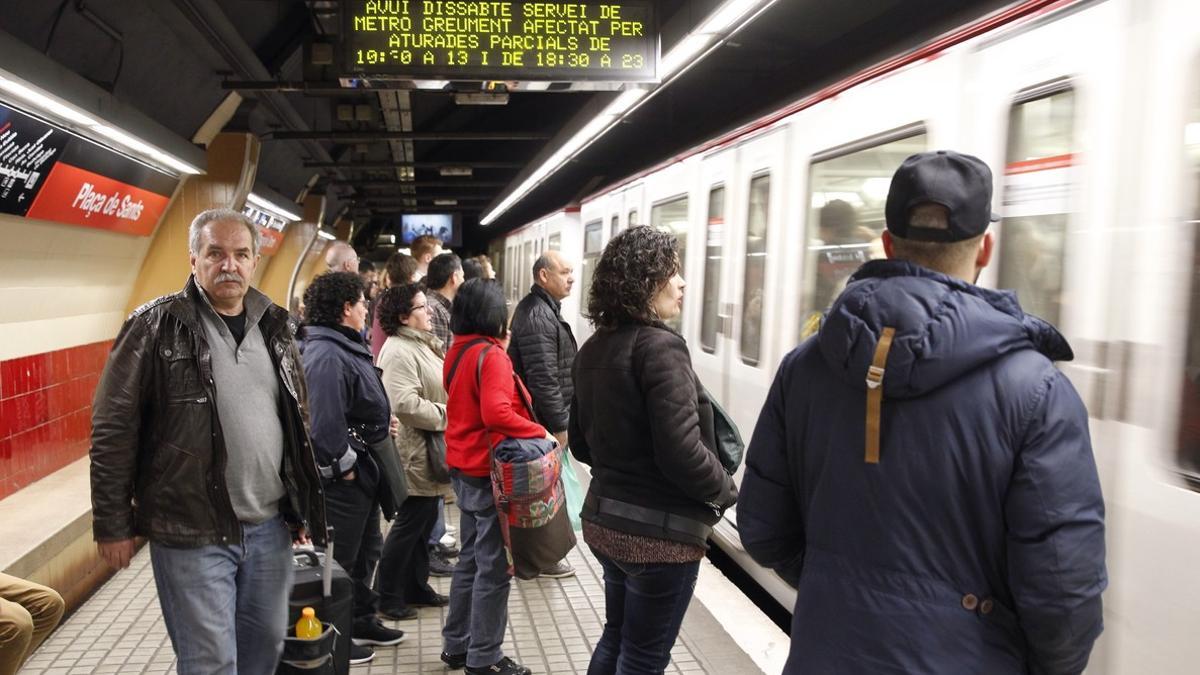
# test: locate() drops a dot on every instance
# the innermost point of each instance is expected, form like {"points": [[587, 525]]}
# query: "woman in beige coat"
{"points": [[411, 360]]}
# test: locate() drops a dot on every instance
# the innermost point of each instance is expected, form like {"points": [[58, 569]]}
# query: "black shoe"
{"points": [[439, 567], [377, 634], [454, 661], [435, 600], [398, 614], [360, 654], [504, 666], [443, 551]]}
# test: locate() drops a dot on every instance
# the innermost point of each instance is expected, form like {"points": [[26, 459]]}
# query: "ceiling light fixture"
{"points": [[68, 115], [730, 17], [456, 171], [270, 206]]}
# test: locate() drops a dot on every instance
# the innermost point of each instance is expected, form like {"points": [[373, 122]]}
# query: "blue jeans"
{"points": [[478, 612], [644, 604], [439, 526], [226, 606]]}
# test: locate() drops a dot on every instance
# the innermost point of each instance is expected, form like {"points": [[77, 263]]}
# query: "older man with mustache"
{"points": [[199, 444]]}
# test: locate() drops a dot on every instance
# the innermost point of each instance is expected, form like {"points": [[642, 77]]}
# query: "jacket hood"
{"points": [[311, 333], [944, 328]]}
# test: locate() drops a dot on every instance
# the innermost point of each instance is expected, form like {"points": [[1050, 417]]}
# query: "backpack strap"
{"points": [[454, 366], [875, 394], [516, 383]]}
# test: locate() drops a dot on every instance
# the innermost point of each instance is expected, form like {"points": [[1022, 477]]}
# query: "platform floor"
{"points": [[553, 625]]}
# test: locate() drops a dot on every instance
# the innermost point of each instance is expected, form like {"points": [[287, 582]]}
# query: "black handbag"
{"points": [[435, 455], [393, 488], [729, 445]]}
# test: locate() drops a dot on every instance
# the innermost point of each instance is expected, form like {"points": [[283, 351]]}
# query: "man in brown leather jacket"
{"points": [[200, 443]]}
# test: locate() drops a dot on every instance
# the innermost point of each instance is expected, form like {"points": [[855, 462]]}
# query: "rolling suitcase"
{"points": [[322, 584]]}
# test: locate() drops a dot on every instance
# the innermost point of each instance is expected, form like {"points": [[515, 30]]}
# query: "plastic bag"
{"points": [[574, 492]]}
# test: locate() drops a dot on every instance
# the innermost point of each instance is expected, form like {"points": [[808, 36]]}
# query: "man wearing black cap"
{"points": [[921, 471]]}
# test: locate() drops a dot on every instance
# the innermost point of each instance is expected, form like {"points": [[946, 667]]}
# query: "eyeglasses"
{"points": [[416, 307]]}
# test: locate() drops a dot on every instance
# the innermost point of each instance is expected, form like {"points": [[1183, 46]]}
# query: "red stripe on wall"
{"points": [[46, 412]]}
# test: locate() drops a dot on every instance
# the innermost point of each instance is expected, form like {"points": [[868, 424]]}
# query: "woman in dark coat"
{"points": [[348, 409], [640, 418]]}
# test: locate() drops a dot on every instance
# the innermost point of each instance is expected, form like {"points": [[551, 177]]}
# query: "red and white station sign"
{"points": [[77, 196]]}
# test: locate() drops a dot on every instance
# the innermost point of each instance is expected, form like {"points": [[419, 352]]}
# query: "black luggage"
{"points": [[322, 584]]}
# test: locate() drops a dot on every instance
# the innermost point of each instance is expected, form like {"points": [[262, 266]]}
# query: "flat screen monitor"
{"points": [[444, 226]]}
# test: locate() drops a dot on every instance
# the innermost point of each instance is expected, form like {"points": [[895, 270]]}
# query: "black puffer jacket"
{"points": [[542, 351], [158, 455], [638, 418]]}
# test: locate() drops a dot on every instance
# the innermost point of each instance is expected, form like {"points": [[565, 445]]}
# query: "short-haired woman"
{"points": [[411, 361], [639, 417], [348, 410], [483, 409]]}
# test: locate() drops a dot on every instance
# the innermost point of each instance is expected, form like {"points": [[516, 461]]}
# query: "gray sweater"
{"points": [[248, 407]]}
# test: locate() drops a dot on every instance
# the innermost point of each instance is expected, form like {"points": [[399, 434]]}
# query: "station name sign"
{"points": [[48, 173], [470, 40]]}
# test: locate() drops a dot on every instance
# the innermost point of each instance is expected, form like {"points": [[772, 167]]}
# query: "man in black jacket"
{"points": [[542, 350], [200, 443]]}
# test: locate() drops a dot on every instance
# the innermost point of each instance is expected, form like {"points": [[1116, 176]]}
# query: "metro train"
{"points": [[1089, 114]]}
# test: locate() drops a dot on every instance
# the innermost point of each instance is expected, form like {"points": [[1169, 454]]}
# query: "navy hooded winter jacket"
{"points": [[976, 544]]}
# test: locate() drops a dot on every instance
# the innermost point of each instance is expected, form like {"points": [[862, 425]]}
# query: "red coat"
{"points": [[472, 418]]}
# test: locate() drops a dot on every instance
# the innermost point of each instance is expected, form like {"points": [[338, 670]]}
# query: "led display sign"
{"points": [[471, 40]]}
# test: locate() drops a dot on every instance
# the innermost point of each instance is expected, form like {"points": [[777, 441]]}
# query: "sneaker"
{"points": [[448, 540], [398, 614], [360, 654], [442, 551], [377, 634], [436, 600], [454, 661], [439, 567], [504, 666], [560, 570]]}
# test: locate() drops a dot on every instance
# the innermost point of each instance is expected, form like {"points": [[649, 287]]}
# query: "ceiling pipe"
{"points": [[214, 25], [376, 166]]}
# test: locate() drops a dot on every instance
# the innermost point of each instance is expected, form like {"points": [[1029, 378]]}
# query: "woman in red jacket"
{"points": [[484, 407]]}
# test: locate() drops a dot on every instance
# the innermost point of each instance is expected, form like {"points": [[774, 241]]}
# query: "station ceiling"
{"points": [[178, 61]]}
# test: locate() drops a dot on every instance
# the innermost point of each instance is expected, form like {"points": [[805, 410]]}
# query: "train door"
{"points": [[710, 352], [1051, 97], [748, 188]]}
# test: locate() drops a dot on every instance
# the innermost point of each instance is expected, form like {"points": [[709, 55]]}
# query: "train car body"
{"points": [[1089, 114]]}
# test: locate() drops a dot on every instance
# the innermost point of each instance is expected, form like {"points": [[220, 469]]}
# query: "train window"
{"points": [[1037, 191], [615, 227], [714, 247], [753, 283], [1187, 460], [554, 242], [848, 189], [632, 219], [671, 216], [593, 236], [526, 268]]}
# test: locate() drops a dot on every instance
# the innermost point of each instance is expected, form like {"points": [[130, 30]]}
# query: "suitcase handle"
{"points": [[314, 560]]}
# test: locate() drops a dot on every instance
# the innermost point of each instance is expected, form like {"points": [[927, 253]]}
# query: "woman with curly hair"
{"points": [[641, 419], [348, 410], [411, 360]]}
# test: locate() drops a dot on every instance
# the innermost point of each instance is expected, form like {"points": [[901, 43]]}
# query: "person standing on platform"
{"points": [[444, 279], [349, 412], [424, 249], [640, 418], [542, 349], [28, 612], [411, 361], [199, 443], [484, 407], [341, 257], [921, 471], [401, 269]]}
